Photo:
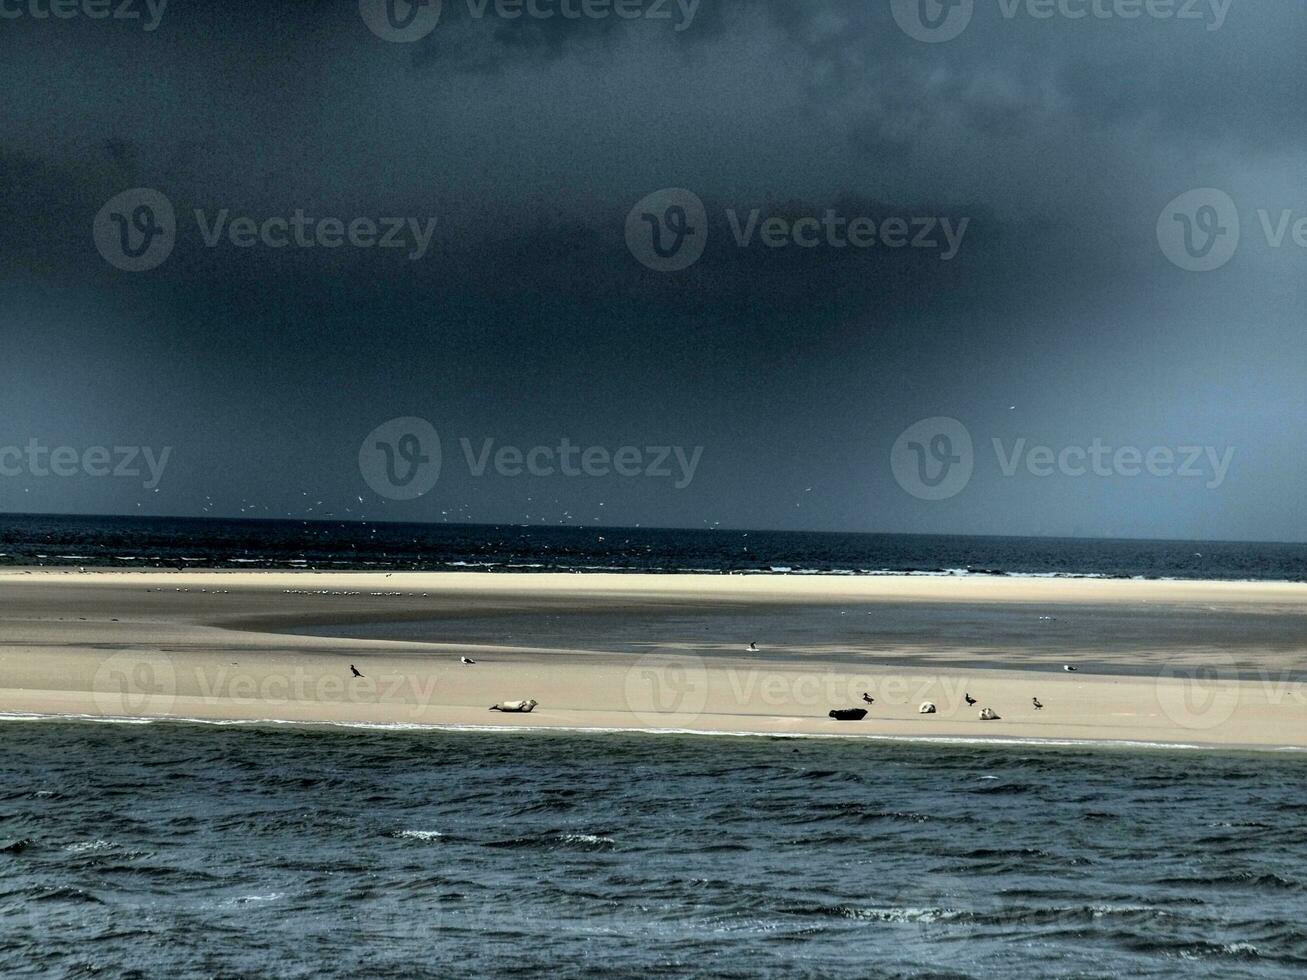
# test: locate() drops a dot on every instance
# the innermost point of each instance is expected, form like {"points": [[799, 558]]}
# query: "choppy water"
{"points": [[132, 542], [180, 850]]}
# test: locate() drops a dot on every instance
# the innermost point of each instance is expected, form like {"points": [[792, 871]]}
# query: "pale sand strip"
{"points": [[210, 645]]}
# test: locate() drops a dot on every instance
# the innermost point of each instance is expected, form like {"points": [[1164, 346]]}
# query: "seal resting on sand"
{"points": [[849, 714], [988, 714], [927, 708], [520, 707]]}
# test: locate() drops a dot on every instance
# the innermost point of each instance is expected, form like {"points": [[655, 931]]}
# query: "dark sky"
{"points": [[1061, 319]]}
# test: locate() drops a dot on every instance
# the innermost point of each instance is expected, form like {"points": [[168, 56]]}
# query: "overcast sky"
{"points": [[1049, 148]]}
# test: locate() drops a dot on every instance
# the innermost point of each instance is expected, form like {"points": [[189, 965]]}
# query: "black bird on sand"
{"points": [[868, 698], [1035, 702], [354, 670], [970, 700]]}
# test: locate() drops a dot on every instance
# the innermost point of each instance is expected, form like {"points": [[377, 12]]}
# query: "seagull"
{"points": [[1035, 702], [466, 660], [354, 670], [969, 699], [868, 698], [1069, 669]]}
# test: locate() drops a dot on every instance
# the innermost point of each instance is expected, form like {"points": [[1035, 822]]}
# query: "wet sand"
{"points": [[1193, 663]]}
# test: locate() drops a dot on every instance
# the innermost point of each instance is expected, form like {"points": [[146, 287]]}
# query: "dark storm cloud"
{"points": [[530, 140]]}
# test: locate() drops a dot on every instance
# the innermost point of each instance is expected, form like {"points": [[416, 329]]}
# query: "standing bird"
{"points": [[466, 660], [354, 670], [753, 646], [868, 698], [969, 699], [1035, 702]]}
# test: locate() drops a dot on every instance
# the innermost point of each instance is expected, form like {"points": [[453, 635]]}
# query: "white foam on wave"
{"points": [[87, 846], [249, 899], [978, 741], [419, 834], [585, 839]]}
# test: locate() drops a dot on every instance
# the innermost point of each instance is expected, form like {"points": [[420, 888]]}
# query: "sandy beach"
{"points": [[1178, 663]]}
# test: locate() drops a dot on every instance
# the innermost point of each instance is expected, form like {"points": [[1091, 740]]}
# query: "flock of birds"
{"points": [[927, 707], [840, 714]]}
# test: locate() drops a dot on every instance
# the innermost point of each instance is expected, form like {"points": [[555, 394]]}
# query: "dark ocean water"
{"points": [[135, 542], [189, 850]]}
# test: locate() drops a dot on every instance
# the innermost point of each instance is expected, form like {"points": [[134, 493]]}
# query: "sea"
{"points": [[132, 542], [141, 849], [186, 850]]}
